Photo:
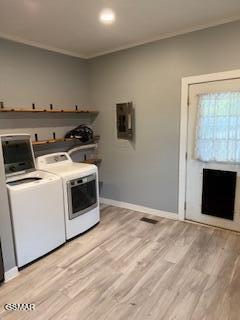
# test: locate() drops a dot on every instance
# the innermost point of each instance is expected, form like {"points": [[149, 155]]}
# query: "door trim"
{"points": [[186, 82]]}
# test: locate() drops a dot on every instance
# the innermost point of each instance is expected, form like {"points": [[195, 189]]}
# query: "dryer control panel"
{"points": [[54, 158]]}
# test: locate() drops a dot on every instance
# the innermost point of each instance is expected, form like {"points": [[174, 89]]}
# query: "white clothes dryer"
{"points": [[80, 188]]}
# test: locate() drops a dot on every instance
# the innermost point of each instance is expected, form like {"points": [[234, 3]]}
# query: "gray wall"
{"points": [[32, 75], [29, 75], [146, 172]]}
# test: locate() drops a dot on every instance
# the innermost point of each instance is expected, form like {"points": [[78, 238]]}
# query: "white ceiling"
{"points": [[72, 26]]}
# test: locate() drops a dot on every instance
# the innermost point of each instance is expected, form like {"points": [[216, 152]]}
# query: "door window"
{"points": [[218, 127]]}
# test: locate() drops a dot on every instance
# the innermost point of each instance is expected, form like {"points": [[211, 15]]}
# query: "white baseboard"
{"points": [[10, 274], [134, 207]]}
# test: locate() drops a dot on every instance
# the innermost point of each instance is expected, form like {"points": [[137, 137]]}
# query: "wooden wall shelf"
{"points": [[94, 112], [51, 141], [37, 143], [97, 162]]}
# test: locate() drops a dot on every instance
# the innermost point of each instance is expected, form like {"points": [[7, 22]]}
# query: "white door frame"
{"points": [[186, 82]]}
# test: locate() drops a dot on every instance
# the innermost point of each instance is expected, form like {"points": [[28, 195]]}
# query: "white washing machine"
{"points": [[36, 201], [80, 188]]}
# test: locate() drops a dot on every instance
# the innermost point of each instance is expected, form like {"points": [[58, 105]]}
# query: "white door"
{"points": [[194, 185]]}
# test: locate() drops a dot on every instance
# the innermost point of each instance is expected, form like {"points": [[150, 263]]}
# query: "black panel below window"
{"points": [[218, 193]]}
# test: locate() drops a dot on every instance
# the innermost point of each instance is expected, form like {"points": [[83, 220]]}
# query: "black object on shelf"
{"points": [[1, 265], [82, 133]]}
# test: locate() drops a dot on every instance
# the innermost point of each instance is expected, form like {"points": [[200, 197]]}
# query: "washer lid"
{"points": [[28, 179], [71, 169], [17, 154]]}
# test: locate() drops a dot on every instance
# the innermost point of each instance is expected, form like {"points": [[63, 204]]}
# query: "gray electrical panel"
{"points": [[125, 121]]}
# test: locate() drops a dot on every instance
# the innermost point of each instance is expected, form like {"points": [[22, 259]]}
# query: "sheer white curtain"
{"points": [[218, 127]]}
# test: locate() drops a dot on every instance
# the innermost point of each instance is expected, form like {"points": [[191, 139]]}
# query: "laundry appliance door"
{"points": [[82, 195]]}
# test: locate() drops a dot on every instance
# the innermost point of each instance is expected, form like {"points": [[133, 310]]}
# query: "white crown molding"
{"points": [[134, 207], [10, 274], [135, 44], [41, 46]]}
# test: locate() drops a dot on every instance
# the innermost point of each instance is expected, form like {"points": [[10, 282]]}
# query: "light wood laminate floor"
{"points": [[127, 269]]}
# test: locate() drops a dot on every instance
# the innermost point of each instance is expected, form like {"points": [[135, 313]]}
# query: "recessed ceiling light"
{"points": [[31, 5], [107, 16]]}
